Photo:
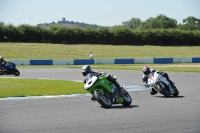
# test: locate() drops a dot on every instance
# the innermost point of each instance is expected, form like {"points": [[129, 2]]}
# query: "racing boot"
{"points": [[153, 91], [93, 98]]}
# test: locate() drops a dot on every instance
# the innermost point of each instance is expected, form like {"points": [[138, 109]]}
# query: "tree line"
{"points": [[163, 22], [159, 22], [153, 31]]}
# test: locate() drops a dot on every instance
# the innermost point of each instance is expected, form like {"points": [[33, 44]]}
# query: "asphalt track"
{"points": [[147, 113]]}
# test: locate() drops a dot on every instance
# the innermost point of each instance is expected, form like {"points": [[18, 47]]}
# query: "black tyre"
{"points": [[103, 99], [16, 72], [165, 91], [176, 91], [127, 100]]}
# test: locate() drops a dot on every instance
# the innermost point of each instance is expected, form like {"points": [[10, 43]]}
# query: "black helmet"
{"points": [[146, 70], [86, 69]]}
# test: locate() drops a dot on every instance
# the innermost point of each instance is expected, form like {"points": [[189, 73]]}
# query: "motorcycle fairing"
{"points": [[90, 81], [9, 66], [93, 82], [155, 77]]}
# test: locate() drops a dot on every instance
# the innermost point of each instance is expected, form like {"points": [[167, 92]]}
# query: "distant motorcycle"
{"points": [[105, 92], [10, 69], [161, 84]]}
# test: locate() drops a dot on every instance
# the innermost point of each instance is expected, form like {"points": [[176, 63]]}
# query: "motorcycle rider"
{"points": [[2, 62], [87, 69], [146, 70]]}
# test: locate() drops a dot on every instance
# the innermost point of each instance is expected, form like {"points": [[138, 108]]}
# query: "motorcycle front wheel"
{"points": [[163, 91], [16, 72], [176, 91], [103, 99], [126, 99]]}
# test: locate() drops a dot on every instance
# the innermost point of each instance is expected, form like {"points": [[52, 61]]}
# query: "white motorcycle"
{"points": [[161, 84]]}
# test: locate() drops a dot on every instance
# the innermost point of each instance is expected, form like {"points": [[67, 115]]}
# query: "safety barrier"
{"points": [[106, 61]]}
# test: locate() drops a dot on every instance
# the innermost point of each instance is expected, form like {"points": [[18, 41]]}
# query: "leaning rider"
{"points": [[2, 62], [146, 70], [87, 69]]}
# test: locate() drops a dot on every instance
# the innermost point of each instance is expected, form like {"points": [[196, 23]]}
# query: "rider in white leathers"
{"points": [[146, 71]]}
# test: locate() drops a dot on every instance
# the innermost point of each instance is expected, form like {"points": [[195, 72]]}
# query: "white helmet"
{"points": [[1, 58], [86, 69]]}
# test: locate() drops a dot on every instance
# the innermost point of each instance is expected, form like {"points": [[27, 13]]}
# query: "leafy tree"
{"points": [[190, 23], [191, 20], [2, 32], [1, 23], [146, 24], [166, 22], [104, 35], [28, 33], [90, 35], [133, 23], [160, 22], [121, 35]]}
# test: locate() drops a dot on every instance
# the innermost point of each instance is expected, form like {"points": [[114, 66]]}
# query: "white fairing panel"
{"points": [[153, 78], [90, 80]]}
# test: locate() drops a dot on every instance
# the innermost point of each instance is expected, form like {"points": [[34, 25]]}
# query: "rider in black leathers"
{"points": [[146, 70], [2, 62], [87, 69]]}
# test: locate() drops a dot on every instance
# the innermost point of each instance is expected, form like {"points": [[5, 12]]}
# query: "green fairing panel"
{"points": [[101, 84]]}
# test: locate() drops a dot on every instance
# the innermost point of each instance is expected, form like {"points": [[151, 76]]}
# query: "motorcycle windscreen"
{"points": [[89, 76]]}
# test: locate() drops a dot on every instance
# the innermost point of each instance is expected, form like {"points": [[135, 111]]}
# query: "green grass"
{"points": [[13, 87], [82, 51]]}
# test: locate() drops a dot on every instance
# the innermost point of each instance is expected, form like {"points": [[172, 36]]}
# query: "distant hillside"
{"points": [[70, 24]]}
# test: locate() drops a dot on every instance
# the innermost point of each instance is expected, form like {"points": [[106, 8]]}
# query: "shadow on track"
{"points": [[170, 97], [122, 107]]}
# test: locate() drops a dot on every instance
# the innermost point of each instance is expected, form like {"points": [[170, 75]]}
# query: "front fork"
{"points": [[115, 97]]}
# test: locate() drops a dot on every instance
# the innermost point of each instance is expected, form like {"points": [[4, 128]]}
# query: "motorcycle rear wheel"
{"points": [[103, 99]]}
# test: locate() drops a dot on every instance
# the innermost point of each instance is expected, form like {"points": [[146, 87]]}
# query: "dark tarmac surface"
{"points": [[147, 113]]}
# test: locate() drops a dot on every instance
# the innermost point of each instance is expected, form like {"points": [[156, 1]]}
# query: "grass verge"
{"points": [[103, 51], [17, 87]]}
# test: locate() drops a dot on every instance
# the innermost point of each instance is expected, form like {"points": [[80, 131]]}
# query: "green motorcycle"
{"points": [[105, 92]]}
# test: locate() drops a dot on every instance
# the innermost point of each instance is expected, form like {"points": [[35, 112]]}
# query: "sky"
{"points": [[100, 12]]}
